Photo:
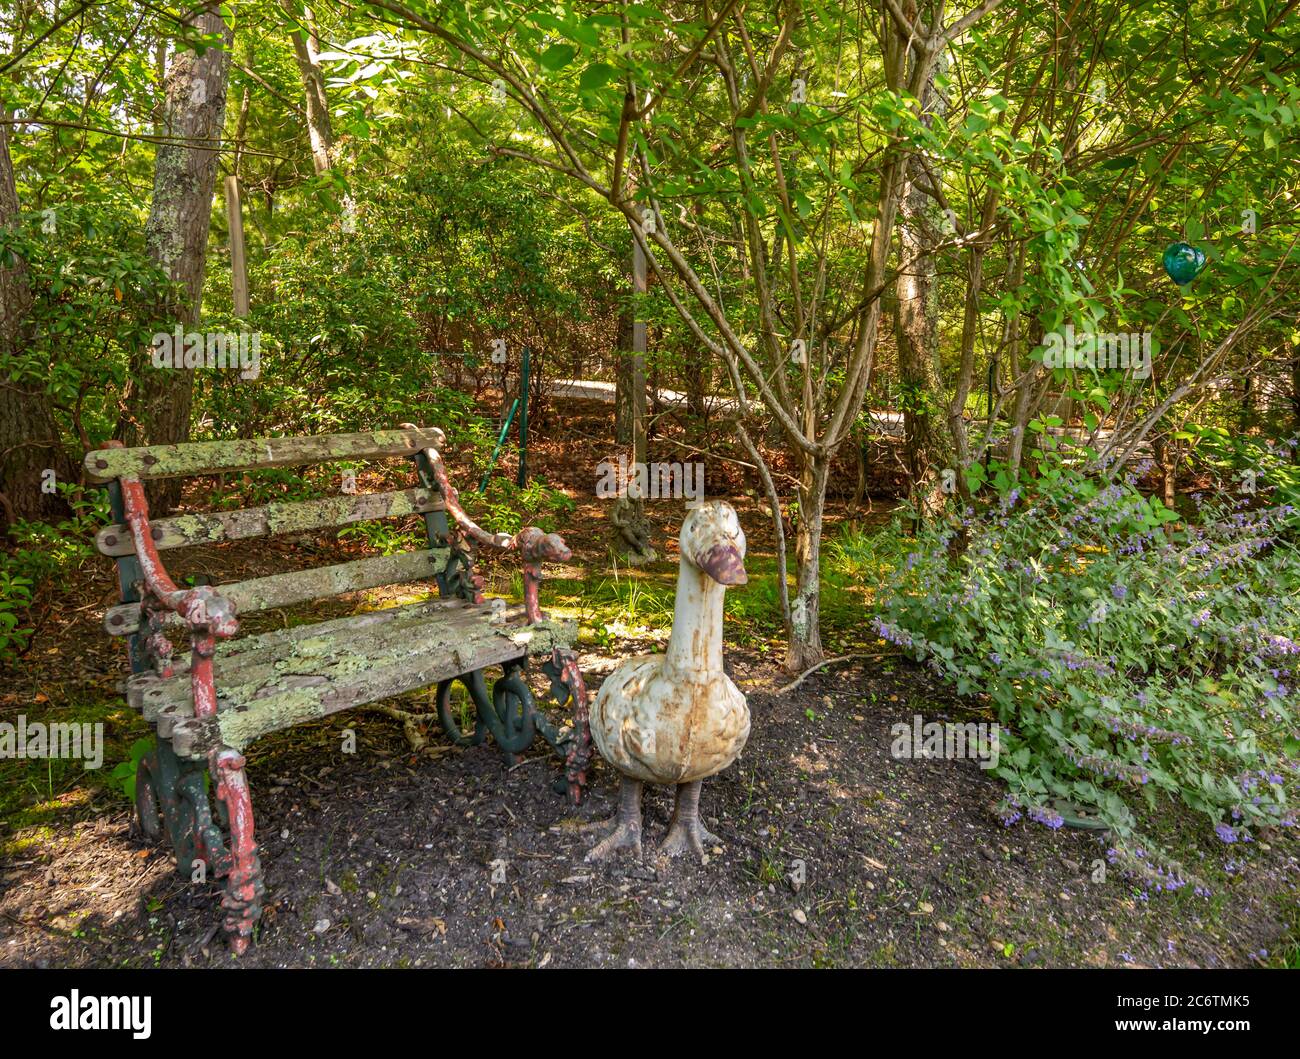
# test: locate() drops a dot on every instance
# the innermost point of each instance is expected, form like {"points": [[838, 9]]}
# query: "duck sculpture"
{"points": [[676, 718]]}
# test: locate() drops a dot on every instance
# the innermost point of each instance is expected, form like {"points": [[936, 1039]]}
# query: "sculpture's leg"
{"points": [[685, 831], [627, 824]]}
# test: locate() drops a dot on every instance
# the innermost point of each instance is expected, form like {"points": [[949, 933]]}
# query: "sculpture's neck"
{"points": [[695, 646]]}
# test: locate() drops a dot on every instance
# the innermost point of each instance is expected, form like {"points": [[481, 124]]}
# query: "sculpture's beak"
{"points": [[723, 563]]}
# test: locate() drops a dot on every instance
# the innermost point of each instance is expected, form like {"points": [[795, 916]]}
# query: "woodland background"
{"points": [[857, 223]]}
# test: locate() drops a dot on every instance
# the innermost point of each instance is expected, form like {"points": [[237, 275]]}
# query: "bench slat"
{"points": [[270, 519], [235, 652], [283, 590], [217, 457], [240, 677], [340, 685]]}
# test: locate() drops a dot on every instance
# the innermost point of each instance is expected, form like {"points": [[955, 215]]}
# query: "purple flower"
{"points": [[1047, 817]]}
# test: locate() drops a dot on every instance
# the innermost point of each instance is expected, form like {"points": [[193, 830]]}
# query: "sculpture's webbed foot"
{"points": [[686, 832], [683, 836], [627, 825], [626, 835]]}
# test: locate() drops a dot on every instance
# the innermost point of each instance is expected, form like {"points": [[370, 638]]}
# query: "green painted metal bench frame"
{"points": [[208, 708]]}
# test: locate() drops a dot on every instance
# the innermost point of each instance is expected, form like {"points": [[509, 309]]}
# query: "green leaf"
{"points": [[595, 76], [558, 56]]}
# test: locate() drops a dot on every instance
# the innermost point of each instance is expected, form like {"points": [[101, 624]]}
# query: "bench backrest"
{"points": [[277, 590]]}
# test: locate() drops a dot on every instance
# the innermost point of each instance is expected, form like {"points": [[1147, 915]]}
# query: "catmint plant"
{"points": [[1135, 661]]}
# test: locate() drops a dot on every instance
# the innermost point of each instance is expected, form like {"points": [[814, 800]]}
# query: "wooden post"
{"points": [[238, 263]]}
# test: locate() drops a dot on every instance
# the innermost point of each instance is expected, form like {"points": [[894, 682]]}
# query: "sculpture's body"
{"points": [[677, 717]]}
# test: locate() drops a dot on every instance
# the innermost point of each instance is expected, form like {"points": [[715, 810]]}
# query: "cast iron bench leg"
{"points": [[244, 886], [564, 673]]}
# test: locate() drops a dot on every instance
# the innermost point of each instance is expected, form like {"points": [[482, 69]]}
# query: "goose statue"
{"points": [[676, 718]]}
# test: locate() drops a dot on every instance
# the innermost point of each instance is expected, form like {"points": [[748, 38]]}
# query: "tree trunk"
{"points": [[157, 406], [306, 49], [929, 444], [238, 259], [699, 383], [1166, 459], [623, 379], [929, 448], [805, 648], [628, 514], [1024, 375], [29, 434]]}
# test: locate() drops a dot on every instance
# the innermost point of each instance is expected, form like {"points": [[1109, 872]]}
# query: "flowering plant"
{"points": [[1131, 658]]}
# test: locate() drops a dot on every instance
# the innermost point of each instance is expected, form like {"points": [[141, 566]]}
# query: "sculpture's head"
{"points": [[712, 539]]}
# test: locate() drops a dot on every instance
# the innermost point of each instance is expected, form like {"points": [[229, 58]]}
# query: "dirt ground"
{"points": [[833, 853], [380, 859]]}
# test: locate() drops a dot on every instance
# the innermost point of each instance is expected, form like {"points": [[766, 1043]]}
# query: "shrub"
{"points": [[38, 551], [1130, 660]]}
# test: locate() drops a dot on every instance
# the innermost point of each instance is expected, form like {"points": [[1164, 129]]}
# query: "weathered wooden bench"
{"points": [[208, 708]]}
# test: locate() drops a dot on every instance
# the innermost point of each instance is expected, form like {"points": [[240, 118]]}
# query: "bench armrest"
{"points": [[532, 545], [208, 614], [203, 608]]}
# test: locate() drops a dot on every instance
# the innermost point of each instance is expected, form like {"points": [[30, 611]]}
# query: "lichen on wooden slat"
{"points": [[283, 590], [332, 685], [457, 634], [216, 457], [241, 679], [270, 519], [234, 655]]}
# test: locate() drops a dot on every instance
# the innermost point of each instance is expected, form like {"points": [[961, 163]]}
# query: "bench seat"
{"points": [[280, 679]]}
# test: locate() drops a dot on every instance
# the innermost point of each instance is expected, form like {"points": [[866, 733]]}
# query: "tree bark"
{"points": [[623, 379], [29, 433], [158, 400], [805, 646], [306, 50], [628, 514], [929, 443]]}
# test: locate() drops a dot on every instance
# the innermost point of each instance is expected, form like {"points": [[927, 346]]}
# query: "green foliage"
{"points": [[95, 302], [507, 508], [15, 598], [124, 772], [386, 538], [1130, 661], [1251, 466], [39, 551]]}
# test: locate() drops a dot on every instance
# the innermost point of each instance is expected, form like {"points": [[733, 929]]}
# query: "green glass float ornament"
{"points": [[1183, 262]]}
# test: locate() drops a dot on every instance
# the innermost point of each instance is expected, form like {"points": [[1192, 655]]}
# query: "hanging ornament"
{"points": [[1183, 262]]}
